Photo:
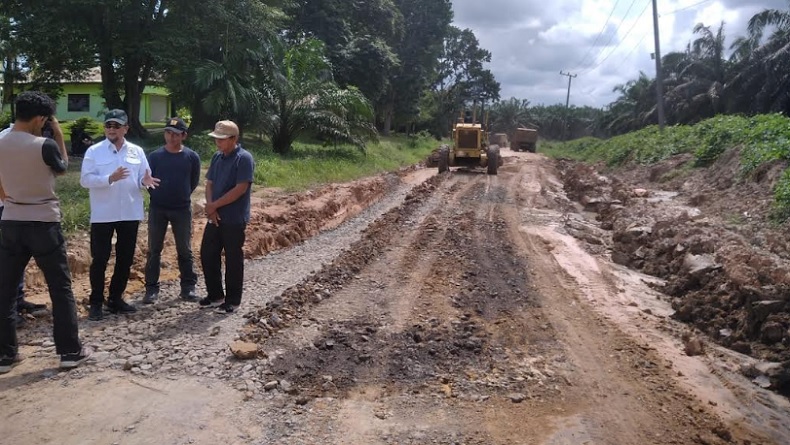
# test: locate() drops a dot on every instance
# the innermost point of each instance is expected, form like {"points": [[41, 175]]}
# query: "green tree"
{"points": [[358, 37], [762, 65], [119, 37], [300, 97], [217, 56], [634, 109], [696, 78], [508, 115], [426, 24], [461, 79]]}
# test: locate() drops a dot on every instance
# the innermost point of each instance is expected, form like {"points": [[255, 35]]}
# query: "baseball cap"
{"points": [[116, 115], [176, 124], [224, 130]]}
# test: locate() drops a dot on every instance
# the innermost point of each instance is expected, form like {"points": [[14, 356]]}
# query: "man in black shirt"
{"points": [[178, 169]]}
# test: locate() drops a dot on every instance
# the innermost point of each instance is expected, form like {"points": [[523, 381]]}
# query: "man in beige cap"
{"points": [[228, 184]]}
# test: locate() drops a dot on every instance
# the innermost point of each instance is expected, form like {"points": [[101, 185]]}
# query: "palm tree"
{"points": [[508, 115], [229, 87], [762, 81], [300, 97], [634, 109], [697, 77]]}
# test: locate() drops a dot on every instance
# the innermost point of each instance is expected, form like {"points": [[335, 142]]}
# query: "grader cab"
{"points": [[470, 147]]}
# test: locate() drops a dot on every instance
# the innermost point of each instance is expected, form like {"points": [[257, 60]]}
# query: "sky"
{"points": [[604, 43]]}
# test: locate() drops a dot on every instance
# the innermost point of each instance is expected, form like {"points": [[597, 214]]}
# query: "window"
{"points": [[79, 102]]}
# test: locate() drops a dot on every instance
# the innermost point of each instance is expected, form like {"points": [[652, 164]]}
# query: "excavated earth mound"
{"points": [[708, 233]]}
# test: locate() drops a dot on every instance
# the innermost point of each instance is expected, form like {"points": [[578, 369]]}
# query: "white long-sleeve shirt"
{"points": [[122, 200]]}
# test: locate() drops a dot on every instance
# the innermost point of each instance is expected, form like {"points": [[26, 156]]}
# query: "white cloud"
{"points": [[531, 41]]}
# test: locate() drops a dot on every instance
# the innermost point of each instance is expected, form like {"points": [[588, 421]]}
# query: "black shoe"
{"points": [[70, 361], [120, 307], [208, 302], [96, 313], [30, 308], [150, 296], [227, 308], [189, 295], [6, 363]]}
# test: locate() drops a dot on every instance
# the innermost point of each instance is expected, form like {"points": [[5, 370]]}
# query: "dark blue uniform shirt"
{"points": [[224, 173]]}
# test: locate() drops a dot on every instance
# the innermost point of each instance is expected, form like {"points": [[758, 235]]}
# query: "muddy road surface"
{"points": [[459, 309]]}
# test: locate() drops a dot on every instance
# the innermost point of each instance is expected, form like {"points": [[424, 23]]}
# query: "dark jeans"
{"points": [[181, 222], [19, 241], [20, 293], [101, 248], [230, 238]]}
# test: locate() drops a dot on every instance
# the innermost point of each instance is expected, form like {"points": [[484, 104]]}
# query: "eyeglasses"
{"points": [[114, 125]]}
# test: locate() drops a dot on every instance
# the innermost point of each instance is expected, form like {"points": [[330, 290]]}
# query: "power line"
{"points": [[613, 34], [625, 58], [621, 41], [603, 28], [683, 9]]}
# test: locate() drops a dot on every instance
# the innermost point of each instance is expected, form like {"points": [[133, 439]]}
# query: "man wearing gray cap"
{"points": [[114, 171], [178, 169], [228, 183]]}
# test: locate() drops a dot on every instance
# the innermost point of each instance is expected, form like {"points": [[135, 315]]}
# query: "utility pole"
{"points": [[570, 77], [659, 77], [568, 100]]}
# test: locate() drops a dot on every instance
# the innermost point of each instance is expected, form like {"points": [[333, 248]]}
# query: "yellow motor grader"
{"points": [[470, 147]]}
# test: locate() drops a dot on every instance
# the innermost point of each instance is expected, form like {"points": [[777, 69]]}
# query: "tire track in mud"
{"points": [[462, 278], [431, 329]]}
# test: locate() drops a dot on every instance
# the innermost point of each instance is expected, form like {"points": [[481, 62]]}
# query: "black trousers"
{"points": [[20, 294], [230, 239], [19, 241], [101, 248]]}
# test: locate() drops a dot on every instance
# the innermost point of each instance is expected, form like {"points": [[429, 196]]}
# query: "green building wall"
{"points": [[155, 103]]}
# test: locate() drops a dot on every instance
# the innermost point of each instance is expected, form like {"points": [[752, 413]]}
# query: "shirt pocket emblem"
{"points": [[132, 158]]}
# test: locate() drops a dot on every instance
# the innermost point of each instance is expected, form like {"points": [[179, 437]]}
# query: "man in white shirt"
{"points": [[114, 171]]}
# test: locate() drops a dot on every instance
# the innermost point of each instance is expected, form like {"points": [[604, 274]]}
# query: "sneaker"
{"points": [[227, 308], [150, 296], [31, 308], [6, 363], [120, 307], [208, 302], [189, 295], [70, 361], [96, 313]]}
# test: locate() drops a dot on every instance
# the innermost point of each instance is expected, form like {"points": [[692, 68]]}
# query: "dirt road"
{"points": [[463, 313]]}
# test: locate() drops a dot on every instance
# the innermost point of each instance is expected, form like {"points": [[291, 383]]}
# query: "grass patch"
{"points": [[763, 138], [74, 204], [310, 164]]}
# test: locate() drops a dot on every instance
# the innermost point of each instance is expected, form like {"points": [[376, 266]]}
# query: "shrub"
{"points": [[202, 144], [91, 126]]}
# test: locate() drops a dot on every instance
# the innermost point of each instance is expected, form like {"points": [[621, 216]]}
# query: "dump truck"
{"points": [[525, 139], [470, 147]]}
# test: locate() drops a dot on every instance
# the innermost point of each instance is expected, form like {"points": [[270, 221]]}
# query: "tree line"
{"points": [[750, 76], [341, 70], [346, 70]]}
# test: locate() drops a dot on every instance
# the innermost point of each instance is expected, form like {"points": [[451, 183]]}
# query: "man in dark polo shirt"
{"points": [[228, 183], [178, 170], [30, 227]]}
